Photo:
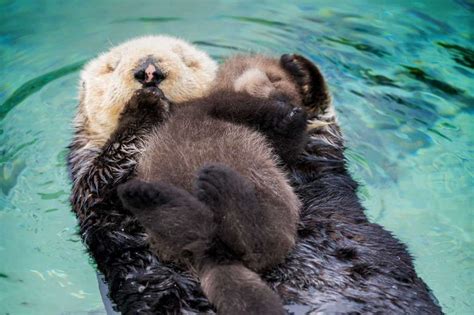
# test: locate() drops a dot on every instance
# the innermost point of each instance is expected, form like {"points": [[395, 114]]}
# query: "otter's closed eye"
{"points": [[274, 78]]}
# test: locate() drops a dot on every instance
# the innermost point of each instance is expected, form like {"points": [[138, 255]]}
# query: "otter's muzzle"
{"points": [[148, 74]]}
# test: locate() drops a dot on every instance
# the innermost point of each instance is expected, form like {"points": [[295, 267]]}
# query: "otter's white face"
{"points": [[179, 69]]}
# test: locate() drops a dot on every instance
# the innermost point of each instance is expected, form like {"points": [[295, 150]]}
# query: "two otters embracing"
{"points": [[181, 176]]}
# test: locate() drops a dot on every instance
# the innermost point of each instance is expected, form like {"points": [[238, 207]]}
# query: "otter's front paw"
{"points": [[149, 98], [283, 118], [294, 119], [146, 105]]}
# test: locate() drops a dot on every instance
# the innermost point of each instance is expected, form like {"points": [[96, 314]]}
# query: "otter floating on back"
{"points": [[341, 262]]}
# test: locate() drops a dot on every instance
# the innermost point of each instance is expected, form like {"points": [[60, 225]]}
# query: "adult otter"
{"points": [[341, 262]]}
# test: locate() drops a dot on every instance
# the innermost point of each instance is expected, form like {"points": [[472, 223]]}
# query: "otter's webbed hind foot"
{"points": [[310, 81], [238, 214], [233, 200], [219, 186], [180, 225], [326, 142]]}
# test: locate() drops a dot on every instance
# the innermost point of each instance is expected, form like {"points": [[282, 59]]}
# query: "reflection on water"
{"points": [[401, 75]]}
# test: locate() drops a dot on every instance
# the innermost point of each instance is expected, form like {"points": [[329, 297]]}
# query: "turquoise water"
{"points": [[402, 77]]}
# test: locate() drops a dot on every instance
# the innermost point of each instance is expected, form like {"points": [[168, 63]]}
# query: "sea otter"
{"points": [[209, 190], [341, 263]]}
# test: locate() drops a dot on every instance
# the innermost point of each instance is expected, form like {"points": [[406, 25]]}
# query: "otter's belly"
{"points": [[176, 151]]}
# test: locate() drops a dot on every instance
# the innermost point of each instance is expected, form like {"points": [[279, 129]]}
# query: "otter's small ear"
{"points": [[186, 55], [112, 62]]}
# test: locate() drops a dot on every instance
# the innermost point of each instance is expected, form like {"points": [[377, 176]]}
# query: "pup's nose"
{"points": [[148, 74]]}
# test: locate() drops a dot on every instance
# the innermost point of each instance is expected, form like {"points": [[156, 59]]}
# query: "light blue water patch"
{"points": [[401, 73]]}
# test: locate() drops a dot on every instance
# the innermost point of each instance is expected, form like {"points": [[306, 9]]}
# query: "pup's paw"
{"points": [[137, 195], [293, 119]]}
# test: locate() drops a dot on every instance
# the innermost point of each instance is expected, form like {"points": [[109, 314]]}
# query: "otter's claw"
{"points": [[310, 81], [291, 120]]}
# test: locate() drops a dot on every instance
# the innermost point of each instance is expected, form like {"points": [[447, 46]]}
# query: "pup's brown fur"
{"points": [[210, 191], [257, 75]]}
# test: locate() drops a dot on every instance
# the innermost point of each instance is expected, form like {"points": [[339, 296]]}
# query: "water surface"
{"points": [[401, 73]]}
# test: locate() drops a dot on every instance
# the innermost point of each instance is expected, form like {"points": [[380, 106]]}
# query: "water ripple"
{"points": [[215, 44], [462, 55], [363, 47], [439, 25], [420, 75], [35, 85], [260, 21], [150, 19]]}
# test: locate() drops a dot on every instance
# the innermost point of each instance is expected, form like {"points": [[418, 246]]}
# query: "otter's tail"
{"points": [[234, 290]]}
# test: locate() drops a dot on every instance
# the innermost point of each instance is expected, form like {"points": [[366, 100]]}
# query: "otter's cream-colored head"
{"points": [[179, 69]]}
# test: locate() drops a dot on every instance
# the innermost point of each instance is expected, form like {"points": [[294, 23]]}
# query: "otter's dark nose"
{"points": [[149, 75]]}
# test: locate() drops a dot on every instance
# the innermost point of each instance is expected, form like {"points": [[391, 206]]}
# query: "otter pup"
{"points": [[209, 190]]}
